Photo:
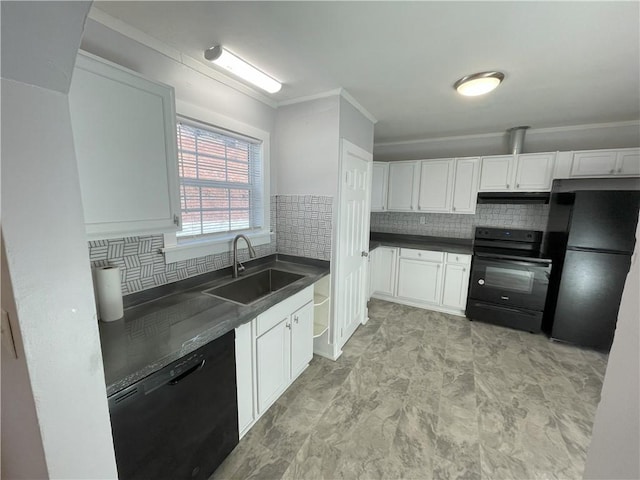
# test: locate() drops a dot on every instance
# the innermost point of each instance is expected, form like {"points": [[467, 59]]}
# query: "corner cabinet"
{"points": [[124, 129], [527, 172]]}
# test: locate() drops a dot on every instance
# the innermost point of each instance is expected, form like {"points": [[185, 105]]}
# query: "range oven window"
{"points": [[511, 279]]}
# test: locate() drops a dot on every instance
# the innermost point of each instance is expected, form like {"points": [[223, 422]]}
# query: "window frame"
{"points": [[185, 248]]}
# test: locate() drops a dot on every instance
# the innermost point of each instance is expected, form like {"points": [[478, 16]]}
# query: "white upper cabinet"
{"points": [[404, 180], [496, 173], [606, 163], [465, 185], [124, 129], [436, 185], [534, 172], [379, 183], [527, 172]]}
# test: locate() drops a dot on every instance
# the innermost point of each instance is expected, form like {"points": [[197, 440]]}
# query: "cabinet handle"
{"points": [[364, 254], [517, 185], [295, 319], [453, 209], [464, 270], [411, 207], [507, 185], [612, 171], [288, 326], [620, 170]]}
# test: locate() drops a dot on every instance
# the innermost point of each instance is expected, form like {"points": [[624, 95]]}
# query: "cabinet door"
{"points": [[593, 164], [244, 377], [273, 367], [535, 172], [496, 173], [465, 186], [628, 163], [124, 130], [436, 183], [301, 339], [403, 181], [419, 280], [456, 284], [383, 271], [379, 183]]}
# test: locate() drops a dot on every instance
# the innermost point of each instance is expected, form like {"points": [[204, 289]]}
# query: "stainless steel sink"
{"points": [[247, 290]]}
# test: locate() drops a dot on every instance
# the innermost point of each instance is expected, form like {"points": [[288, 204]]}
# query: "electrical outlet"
{"points": [[423, 221]]}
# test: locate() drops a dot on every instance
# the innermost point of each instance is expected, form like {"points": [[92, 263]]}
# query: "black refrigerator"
{"points": [[590, 238]]}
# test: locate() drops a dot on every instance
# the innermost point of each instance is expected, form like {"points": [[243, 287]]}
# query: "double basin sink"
{"points": [[249, 289]]}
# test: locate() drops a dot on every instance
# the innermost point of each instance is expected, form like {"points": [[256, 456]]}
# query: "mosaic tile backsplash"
{"points": [[531, 217], [303, 225], [305, 221]]}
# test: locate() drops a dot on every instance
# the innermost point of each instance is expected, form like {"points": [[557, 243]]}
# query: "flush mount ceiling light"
{"points": [[227, 60], [478, 83]]}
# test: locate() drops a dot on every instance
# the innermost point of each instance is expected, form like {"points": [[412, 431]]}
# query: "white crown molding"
{"points": [[137, 35], [331, 93], [531, 131]]}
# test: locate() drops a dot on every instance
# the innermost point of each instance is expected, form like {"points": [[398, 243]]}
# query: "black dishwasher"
{"points": [[180, 422]]}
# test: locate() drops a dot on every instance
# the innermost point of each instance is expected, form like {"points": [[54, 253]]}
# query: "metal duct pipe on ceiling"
{"points": [[516, 139]]}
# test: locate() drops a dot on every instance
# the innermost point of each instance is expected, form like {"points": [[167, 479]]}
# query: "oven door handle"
{"points": [[504, 261]]}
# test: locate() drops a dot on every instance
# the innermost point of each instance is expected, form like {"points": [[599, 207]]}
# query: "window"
{"points": [[221, 181]]}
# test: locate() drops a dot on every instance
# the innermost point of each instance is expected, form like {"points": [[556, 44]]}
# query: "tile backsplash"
{"points": [[531, 217], [302, 224]]}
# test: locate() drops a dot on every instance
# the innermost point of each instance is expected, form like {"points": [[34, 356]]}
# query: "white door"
{"points": [[273, 350], [465, 190], [496, 173], [403, 186], [534, 172], [301, 339], [352, 241], [379, 182], [436, 183]]}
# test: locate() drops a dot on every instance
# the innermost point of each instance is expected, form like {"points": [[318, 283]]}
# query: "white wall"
{"points": [[582, 137], [306, 148], [615, 440], [355, 127], [47, 257]]}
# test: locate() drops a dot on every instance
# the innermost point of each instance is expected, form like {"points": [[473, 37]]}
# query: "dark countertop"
{"points": [[438, 244], [168, 322]]}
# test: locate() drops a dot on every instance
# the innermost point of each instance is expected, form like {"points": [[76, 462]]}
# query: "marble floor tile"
{"points": [[424, 395]]}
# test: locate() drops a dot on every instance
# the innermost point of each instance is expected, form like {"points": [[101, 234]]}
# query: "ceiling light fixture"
{"points": [[478, 83], [227, 60]]}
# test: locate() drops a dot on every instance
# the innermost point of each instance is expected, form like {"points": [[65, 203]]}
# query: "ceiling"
{"points": [[566, 63]]}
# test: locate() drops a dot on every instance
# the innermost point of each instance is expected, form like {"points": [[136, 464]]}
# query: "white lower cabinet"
{"points": [[383, 270], [244, 377], [271, 352], [419, 280], [456, 281], [422, 278]]}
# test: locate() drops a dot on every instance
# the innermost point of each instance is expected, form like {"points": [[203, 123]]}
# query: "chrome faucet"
{"points": [[237, 266]]}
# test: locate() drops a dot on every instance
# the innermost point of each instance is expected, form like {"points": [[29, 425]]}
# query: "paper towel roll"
{"points": [[109, 293]]}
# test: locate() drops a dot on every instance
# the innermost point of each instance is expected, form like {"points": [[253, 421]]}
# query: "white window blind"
{"points": [[221, 181]]}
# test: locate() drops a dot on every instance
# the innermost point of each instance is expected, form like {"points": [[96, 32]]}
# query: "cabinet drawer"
{"points": [[458, 258], [427, 255], [282, 310]]}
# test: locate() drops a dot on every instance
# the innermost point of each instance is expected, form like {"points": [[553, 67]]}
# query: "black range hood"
{"points": [[521, 198]]}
